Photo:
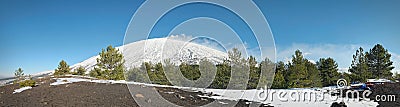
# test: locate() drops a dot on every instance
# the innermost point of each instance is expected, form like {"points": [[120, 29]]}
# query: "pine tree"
{"points": [[279, 80], [208, 72], [267, 72], [254, 73], [313, 76], [80, 71], [298, 71], [223, 76], [19, 75], [171, 73], [97, 73], [359, 67], [191, 72], [379, 62], [137, 74], [328, 71], [111, 64], [235, 56], [239, 70], [62, 69]]}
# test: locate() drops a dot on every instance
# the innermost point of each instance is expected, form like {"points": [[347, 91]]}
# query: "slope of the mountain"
{"points": [[159, 49]]}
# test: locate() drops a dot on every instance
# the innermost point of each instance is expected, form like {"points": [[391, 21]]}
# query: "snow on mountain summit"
{"points": [[158, 49]]}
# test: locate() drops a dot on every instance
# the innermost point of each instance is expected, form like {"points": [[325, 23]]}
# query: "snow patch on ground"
{"points": [[60, 81], [252, 95], [21, 89], [236, 95]]}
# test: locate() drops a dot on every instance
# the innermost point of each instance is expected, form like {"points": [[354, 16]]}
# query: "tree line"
{"points": [[297, 73], [300, 72]]}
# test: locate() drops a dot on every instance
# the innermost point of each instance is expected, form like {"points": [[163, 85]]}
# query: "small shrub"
{"points": [[19, 75], [80, 71], [26, 83]]}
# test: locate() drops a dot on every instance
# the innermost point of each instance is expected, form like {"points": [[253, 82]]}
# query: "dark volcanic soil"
{"points": [[387, 89], [87, 94], [75, 94]]}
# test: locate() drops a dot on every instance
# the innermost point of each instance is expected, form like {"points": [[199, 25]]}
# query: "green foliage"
{"points": [[171, 71], [97, 73], [359, 67], [19, 75], [239, 70], [191, 72], [27, 83], [298, 69], [80, 71], [313, 75], [346, 76], [267, 69], [254, 73], [110, 65], [208, 71], [62, 69], [328, 71], [137, 75], [222, 77], [235, 56], [279, 79], [373, 64], [155, 72], [298, 73], [379, 62], [303, 73]]}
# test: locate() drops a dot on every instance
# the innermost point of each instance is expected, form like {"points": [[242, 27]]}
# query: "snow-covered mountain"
{"points": [[159, 49]]}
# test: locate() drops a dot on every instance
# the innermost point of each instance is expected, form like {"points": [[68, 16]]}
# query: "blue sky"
{"points": [[36, 35]]}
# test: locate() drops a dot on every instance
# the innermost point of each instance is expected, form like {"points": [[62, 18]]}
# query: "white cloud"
{"points": [[341, 53], [181, 37]]}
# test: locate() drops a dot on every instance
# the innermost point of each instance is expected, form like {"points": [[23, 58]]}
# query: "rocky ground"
{"points": [[387, 89], [89, 94]]}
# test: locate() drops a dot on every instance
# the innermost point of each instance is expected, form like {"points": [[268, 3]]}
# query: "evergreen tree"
{"points": [[313, 75], [19, 75], [328, 71], [235, 56], [171, 73], [80, 71], [62, 69], [137, 74], [191, 72], [379, 62], [346, 76], [298, 71], [161, 70], [254, 73], [267, 73], [303, 73], [97, 73], [239, 70], [208, 72], [223, 76], [111, 64], [359, 67], [279, 80]]}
